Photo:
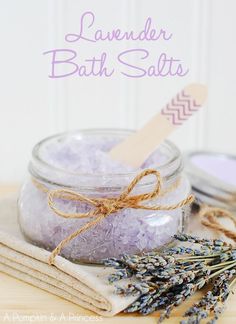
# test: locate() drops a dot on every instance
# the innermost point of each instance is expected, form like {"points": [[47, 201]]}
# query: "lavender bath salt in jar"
{"points": [[79, 162]]}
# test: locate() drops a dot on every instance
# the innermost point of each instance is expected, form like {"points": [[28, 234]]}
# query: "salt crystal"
{"points": [[127, 231]]}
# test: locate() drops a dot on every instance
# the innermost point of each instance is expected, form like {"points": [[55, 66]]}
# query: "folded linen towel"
{"points": [[84, 285]]}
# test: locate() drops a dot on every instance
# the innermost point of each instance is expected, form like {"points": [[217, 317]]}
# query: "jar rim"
{"points": [[206, 186], [41, 163]]}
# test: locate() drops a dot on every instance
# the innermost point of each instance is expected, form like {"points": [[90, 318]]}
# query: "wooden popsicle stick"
{"points": [[137, 147]]}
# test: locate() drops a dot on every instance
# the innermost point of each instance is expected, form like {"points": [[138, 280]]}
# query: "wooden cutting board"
{"points": [[19, 300]]}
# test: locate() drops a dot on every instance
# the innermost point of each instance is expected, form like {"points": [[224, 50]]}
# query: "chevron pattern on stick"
{"points": [[180, 108]]}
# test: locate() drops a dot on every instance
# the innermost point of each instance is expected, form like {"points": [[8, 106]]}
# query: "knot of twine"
{"points": [[210, 216], [103, 207]]}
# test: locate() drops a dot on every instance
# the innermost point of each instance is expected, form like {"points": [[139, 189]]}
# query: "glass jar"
{"points": [[213, 179], [129, 230]]}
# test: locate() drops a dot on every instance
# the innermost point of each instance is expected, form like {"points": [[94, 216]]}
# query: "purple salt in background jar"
{"points": [[79, 161], [213, 178]]}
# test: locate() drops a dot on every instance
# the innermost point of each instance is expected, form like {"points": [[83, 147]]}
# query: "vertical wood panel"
{"points": [[129, 89], [153, 93], [221, 132], [33, 106], [25, 115], [97, 101], [57, 91], [201, 54]]}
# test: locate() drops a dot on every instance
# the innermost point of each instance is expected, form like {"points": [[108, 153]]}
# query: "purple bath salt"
{"points": [[221, 167], [80, 161]]}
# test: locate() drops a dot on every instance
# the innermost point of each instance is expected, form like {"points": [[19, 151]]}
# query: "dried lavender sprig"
{"points": [[207, 242], [202, 251], [181, 250], [161, 297], [166, 277], [120, 274], [213, 301]]}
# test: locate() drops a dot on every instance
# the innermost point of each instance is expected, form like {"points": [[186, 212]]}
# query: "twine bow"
{"points": [[103, 207]]}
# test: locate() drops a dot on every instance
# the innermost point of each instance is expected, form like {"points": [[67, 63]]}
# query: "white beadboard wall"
{"points": [[33, 106]]}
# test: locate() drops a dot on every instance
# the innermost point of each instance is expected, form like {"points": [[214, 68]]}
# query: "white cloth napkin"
{"points": [[84, 285]]}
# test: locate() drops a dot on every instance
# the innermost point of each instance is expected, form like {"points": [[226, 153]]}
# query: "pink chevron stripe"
{"points": [[180, 108], [173, 115], [188, 96], [189, 99], [185, 109], [192, 103], [180, 113]]}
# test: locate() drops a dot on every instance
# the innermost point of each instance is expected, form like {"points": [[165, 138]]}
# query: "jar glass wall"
{"points": [[126, 231]]}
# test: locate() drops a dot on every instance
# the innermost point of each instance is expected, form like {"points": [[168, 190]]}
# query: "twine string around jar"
{"points": [[103, 207], [209, 218]]}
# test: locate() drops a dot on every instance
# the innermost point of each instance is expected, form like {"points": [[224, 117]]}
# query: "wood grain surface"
{"points": [[23, 303]]}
